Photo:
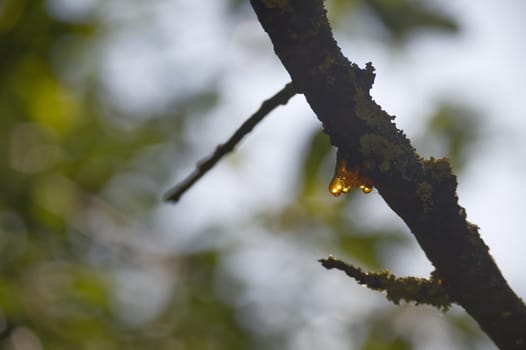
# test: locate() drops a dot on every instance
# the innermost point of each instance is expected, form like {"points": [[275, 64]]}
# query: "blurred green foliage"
{"points": [[454, 131], [70, 166], [399, 18], [60, 156]]}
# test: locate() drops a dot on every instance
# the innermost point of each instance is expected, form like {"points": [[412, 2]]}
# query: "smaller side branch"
{"points": [[203, 166], [420, 290]]}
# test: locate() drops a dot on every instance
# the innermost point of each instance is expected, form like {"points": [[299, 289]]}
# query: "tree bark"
{"points": [[421, 192]]}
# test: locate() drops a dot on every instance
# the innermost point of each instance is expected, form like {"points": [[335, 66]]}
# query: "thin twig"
{"points": [[280, 98], [420, 290]]}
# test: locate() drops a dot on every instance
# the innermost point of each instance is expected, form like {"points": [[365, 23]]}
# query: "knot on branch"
{"points": [[420, 290], [364, 77]]}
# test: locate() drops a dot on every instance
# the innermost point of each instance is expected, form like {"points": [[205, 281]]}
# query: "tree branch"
{"points": [[422, 193], [420, 290], [280, 98]]}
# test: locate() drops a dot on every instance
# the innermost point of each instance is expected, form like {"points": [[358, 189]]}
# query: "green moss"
{"points": [[419, 290], [438, 170], [328, 62], [368, 111], [384, 152]]}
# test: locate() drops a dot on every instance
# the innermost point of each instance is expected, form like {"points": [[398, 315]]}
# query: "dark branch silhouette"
{"points": [[280, 98], [421, 192]]}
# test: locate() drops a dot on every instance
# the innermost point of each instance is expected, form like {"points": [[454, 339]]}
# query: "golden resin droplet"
{"points": [[366, 189], [336, 187], [344, 179]]}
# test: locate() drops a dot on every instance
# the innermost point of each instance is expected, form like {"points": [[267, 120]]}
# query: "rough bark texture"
{"points": [[421, 192]]}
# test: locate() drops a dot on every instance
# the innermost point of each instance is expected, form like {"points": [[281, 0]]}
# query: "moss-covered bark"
{"points": [[422, 193]]}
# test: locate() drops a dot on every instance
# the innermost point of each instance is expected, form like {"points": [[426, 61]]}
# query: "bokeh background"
{"points": [[106, 104]]}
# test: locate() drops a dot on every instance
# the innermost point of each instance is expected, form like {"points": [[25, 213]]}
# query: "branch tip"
{"points": [[203, 166]]}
